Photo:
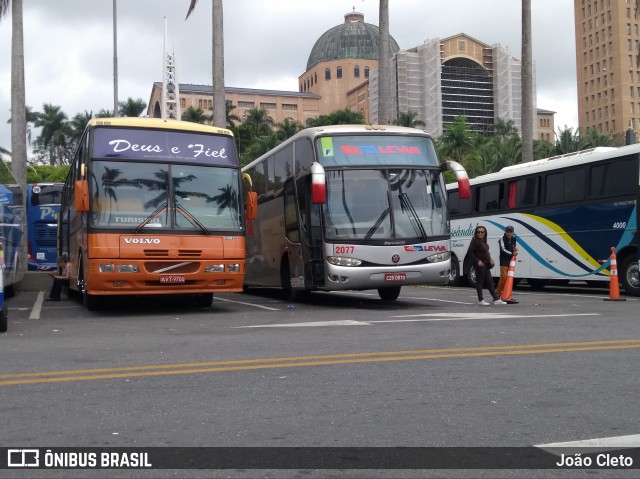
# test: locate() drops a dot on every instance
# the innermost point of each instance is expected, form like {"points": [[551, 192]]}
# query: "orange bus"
{"points": [[154, 206]]}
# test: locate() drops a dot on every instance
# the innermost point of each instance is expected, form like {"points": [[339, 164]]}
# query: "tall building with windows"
{"points": [[455, 76], [608, 65]]}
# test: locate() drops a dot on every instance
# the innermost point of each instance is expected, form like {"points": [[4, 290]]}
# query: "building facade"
{"points": [[340, 64], [608, 65], [299, 106], [459, 75]]}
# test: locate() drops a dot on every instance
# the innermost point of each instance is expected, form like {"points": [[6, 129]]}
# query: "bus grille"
{"points": [[164, 253], [161, 266]]}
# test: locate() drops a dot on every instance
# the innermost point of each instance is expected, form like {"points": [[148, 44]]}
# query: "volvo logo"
{"points": [[395, 258], [142, 240]]}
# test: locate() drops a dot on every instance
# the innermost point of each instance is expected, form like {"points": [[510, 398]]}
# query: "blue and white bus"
{"points": [[567, 212], [11, 236], [43, 207]]}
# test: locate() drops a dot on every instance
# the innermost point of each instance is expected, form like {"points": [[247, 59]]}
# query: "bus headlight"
{"points": [[437, 258], [233, 268], [106, 268], [128, 268], [214, 268], [341, 261]]}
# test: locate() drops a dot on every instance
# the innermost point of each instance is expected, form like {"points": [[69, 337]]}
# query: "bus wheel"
{"points": [[4, 319], [629, 276], [204, 300], [91, 301], [537, 284], [454, 276], [389, 294]]}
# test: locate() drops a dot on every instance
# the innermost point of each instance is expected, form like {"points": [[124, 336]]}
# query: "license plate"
{"points": [[395, 276], [171, 279]]}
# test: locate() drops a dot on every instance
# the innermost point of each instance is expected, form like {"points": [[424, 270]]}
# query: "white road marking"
{"points": [[416, 318], [37, 306], [464, 316], [404, 297], [246, 304], [303, 325], [616, 442]]}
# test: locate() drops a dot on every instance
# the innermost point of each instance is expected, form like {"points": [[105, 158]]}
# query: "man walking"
{"points": [[507, 245]]}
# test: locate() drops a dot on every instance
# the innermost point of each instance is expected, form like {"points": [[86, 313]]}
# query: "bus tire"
{"points": [[4, 319], [204, 300], [389, 294], [629, 276], [454, 276], [92, 302], [536, 284]]}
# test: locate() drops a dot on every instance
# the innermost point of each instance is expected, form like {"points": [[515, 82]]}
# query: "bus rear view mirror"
{"points": [[252, 205], [318, 184], [82, 196], [464, 189]]}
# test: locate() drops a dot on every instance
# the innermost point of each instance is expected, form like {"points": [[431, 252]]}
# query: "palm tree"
{"points": [[567, 141], [131, 107], [195, 115], [458, 140], [18, 104], [384, 66], [288, 128], [408, 118], [258, 121], [55, 133], [527, 84], [217, 60], [594, 138], [231, 118]]}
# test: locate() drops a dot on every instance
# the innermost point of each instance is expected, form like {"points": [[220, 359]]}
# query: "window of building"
{"points": [[356, 71], [339, 73], [327, 73], [246, 104], [267, 106], [366, 72], [289, 106]]}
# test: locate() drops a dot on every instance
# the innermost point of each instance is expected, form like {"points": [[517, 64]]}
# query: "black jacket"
{"points": [[506, 245]]}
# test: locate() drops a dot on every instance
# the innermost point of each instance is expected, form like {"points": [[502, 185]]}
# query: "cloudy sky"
{"points": [[69, 45]]}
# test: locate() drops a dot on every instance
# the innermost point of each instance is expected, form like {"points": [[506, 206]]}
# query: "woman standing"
{"points": [[479, 254]]}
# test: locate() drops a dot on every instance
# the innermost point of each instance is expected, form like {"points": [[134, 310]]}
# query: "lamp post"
{"points": [[115, 60]]}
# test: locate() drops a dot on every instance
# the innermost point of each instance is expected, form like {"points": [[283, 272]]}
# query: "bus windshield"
{"points": [[173, 196], [385, 204], [376, 150]]}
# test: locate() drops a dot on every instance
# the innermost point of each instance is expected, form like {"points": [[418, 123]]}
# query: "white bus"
{"points": [[567, 212], [350, 207]]}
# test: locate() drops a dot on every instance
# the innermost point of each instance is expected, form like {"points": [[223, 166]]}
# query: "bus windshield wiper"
{"points": [[379, 221], [156, 212], [192, 219], [405, 202]]}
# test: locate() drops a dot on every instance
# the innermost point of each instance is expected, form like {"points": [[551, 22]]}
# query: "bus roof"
{"points": [[159, 123], [340, 130], [554, 163]]}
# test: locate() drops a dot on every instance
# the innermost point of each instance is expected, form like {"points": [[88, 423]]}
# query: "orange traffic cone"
{"points": [[508, 284], [614, 287]]}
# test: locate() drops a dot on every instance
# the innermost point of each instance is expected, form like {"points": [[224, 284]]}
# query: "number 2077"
{"points": [[344, 249]]}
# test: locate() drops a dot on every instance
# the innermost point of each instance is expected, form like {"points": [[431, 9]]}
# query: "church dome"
{"points": [[353, 39]]}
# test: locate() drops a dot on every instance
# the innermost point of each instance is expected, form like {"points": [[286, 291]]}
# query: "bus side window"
{"points": [[291, 225], [513, 195]]}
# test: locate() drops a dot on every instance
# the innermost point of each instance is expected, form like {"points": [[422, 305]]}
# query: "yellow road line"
{"points": [[306, 361]]}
